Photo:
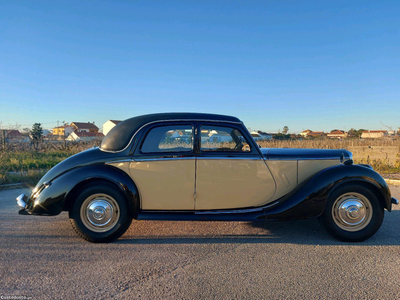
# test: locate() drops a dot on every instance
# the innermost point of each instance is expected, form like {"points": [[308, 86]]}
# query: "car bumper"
{"points": [[395, 201], [22, 201]]}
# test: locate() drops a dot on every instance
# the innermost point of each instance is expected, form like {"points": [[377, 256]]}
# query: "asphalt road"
{"points": [[42, 258]]}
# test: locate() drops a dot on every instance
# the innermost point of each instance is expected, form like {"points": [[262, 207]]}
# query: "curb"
{"points": [[12, 186], [393, 181]]}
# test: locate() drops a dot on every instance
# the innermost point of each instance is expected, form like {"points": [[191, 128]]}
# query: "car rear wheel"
{"points": [[353, 213], [100, 213]]}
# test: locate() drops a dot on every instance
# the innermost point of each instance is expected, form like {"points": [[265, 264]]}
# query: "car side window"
{"points": [[171, 138], [218, 138]]}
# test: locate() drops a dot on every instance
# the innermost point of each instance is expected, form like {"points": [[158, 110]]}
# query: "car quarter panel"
{"points": [[308, 168], [285, 174]]}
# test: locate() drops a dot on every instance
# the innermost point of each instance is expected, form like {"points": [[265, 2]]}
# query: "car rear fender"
{"points": [[309, 199]]}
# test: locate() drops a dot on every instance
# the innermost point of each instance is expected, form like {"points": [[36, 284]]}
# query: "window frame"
{"points": [[146, 131], [230, 153]]}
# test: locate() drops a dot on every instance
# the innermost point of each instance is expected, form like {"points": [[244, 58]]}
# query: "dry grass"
{"points": [[328, 143], [21, 163], [379, 165]]}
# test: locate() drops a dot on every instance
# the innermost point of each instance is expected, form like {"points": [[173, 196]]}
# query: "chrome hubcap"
{"points": [[100, 212], [352, 211]]}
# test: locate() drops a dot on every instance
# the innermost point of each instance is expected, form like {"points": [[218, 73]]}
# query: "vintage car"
{"points": [[206, 167]]}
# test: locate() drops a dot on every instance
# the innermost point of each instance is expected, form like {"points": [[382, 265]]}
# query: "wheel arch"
{"points": [[365, 183], [59, 193], [130, 192]]}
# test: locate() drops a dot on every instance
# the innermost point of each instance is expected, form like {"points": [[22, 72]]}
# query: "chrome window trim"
{"points": [[173, 120], [165, 153]]}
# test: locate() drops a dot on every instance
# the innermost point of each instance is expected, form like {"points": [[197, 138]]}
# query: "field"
{"points": [[20, 163]]}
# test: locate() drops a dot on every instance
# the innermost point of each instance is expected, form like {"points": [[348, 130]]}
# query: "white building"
{"points": [[110, 124], [84, 136]]}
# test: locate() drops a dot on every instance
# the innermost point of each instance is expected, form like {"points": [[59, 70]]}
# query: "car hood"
{"points": [[87, 157], [303, 154]]}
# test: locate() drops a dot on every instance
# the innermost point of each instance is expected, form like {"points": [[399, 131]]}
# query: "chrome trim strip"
{"points": [[228, 158], [181, 158], [237, 211], [304, 158], [118, 161], [173, 120], [163, 159]]}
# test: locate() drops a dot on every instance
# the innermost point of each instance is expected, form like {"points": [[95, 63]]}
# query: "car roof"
{"points": [[120, 136]]}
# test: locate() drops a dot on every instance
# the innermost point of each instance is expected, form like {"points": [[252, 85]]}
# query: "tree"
{"points": [[355, 133], [285, 130], [36, 135]]}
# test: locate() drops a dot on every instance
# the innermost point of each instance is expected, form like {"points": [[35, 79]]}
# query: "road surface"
{"points": [[42, 258]]}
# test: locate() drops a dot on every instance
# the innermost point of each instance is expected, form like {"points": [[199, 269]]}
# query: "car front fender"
{"points": [[309, 199], [58, 195]]}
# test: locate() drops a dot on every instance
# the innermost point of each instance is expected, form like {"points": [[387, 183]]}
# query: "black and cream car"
{"points": [[206, 167]]}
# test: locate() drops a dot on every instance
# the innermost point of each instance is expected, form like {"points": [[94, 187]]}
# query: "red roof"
{"points": [[315, 133], [11, 133], [337, 132]]}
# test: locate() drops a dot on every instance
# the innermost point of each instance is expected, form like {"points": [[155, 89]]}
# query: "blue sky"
{"points": [[316, 65]]}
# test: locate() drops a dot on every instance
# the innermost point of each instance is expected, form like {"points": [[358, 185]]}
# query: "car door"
{"points": [[230, 172], [163, 167]]}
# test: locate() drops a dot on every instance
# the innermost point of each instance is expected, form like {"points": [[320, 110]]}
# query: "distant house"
{"points": [[315, 133], [260, 136], [63, 130], [85, 136], [10, 135], [110, 124], [220, 138], [45, 132], [85, 127], [374, 134], [337, 134], [305, 132]]}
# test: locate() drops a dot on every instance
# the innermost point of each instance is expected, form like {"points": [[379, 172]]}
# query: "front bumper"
{"points": [[22, 201]]}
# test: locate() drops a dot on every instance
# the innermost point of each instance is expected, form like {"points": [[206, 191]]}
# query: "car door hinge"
{"points": [[194, 196]]}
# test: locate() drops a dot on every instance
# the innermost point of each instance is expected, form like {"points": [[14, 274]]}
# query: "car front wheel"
{"points": [[353, 214], [100, 213]]}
